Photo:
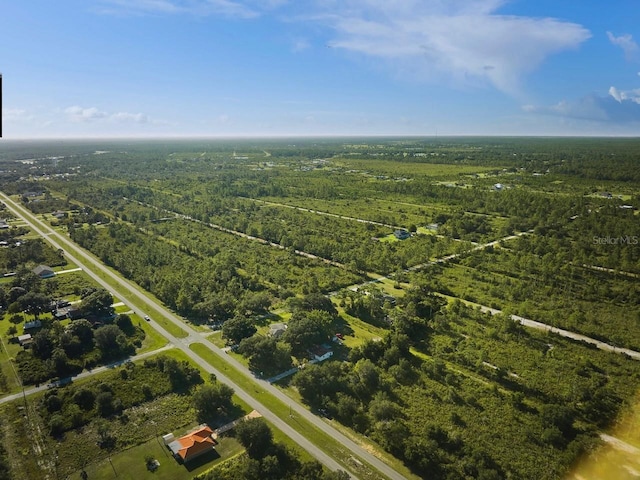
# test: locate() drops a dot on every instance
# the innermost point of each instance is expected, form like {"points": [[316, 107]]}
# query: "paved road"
{"points": [[343, 217], [437, 261], [84, 374], [611, 270], [57, 240], [238, 234], [549, 328]]}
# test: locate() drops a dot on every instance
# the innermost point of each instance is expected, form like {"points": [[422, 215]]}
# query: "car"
{"points": [[325, 413], [340, 336], [147, 318]]}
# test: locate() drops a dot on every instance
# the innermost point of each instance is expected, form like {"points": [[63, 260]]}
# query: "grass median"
{"points": [[323, 441]]}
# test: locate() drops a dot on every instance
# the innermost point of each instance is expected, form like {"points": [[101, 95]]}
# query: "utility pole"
{"points": [[114, 470]]}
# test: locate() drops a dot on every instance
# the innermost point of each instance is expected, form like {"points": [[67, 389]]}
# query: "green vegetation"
{"points": [[267, 459], [306, 236]]}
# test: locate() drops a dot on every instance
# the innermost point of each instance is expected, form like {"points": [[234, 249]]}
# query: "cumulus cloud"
{"points": [[465, 39], [624, 95], [627, 44], [619, 107], [77, 114]]}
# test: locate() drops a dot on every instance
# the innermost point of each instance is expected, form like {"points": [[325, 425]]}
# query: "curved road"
{"points": [[56, 239]]}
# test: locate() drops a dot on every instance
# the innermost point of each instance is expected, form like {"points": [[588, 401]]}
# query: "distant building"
{"points": [[31, 325], [498, 186], [401, 234], [44, 271], [321, 353], [276, 330], [25, 340]]}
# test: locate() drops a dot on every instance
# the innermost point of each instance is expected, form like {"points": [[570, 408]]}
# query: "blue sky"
{"points": [[152, 68]]}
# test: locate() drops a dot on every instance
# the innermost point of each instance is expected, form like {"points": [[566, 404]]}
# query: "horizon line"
{"points": [[308, 136]]}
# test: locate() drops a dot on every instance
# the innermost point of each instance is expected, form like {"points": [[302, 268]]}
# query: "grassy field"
{"points": [[131, 464]]}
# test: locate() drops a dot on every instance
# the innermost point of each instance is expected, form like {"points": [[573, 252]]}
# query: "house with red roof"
{"points": [[192, 445]]}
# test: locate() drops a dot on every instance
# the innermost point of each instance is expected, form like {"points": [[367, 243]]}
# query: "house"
{"points": [[4, 224], [31, 325], [25, 340], [433, 226], [320, 353], [389, 298], [498, 186], [194, 444], [401, 234], [71, 312], [59, 214], [43, 271], [276, 330]]}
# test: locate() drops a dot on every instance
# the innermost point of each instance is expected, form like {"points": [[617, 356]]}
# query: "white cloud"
{"points": [[467, 41], [464, 40], [622, 95], [195, 7], [129, 117], [618, 107], [77, 114], [627, 44]]}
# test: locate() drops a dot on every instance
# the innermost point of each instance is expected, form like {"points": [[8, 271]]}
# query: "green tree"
{"points": [[306, 329], [266, 355], [12, 331], [254, 304], [84, 398], [34, 303], [97, 303], [313, 301], [237, 329], [255, 436], [42, 345], [104, 403], [110, 341], [123, 321], [209, 400], [83, 330]]}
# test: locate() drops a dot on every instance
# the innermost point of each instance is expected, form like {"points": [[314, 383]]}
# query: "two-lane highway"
{"points": [[61, 242]]}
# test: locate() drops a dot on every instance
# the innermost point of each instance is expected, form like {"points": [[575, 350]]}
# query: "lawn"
{"points": [[131, 463]]}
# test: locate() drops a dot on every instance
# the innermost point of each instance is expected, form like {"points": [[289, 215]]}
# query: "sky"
{"points": [[221, 68]]}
